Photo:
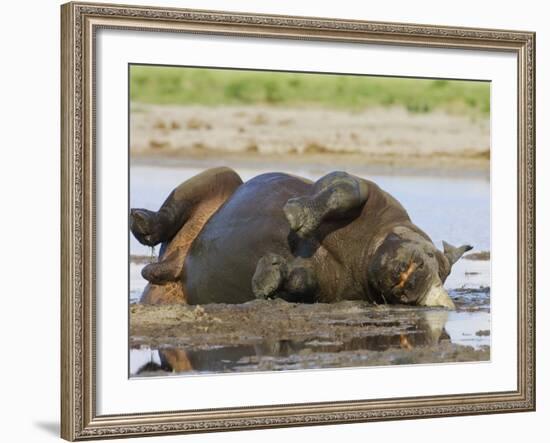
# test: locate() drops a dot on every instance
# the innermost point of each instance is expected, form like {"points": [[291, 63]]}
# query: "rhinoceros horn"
{"points": [[453, 253]]}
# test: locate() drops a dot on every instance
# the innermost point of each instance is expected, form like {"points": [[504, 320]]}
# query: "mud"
{"points": [[483, 255], [275, 335]]}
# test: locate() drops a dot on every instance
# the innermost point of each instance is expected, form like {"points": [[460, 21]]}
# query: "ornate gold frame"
{"points": [[79, 23]]}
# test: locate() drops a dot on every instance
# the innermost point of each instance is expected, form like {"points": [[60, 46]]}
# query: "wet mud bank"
{"points": [[275, 335]]}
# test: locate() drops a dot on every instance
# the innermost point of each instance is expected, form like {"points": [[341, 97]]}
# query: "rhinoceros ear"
{"points": [[454, 253]]}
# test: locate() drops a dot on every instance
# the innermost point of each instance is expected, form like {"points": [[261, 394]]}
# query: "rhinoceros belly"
{"points": [[223, 257]]}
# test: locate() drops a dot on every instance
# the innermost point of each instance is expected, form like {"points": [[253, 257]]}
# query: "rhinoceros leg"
{"points": [[177, 223], [275, 277], [151, 228], [335, 196]]}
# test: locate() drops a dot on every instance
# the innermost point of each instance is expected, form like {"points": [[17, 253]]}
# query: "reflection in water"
{"points": [[428, 330]]}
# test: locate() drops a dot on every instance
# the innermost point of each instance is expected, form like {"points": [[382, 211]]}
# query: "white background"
{"points": [[29, 373], [116, 394]]}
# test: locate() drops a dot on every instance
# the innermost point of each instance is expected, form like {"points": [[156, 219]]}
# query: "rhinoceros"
{"points": [[279, 235]]}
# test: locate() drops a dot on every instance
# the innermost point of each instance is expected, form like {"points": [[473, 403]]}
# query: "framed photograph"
{"points": [[282, 221]]}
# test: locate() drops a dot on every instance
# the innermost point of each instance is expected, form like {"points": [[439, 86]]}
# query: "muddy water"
{"points": [[275, 335]]}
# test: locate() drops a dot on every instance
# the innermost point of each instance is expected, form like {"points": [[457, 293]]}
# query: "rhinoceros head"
{"points": [[409, 269]]}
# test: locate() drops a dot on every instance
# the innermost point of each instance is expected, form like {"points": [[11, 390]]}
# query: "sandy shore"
{"points": [[384, 137]]}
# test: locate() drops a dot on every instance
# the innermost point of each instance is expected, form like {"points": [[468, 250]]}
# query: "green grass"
{"points": [[186, 86]]}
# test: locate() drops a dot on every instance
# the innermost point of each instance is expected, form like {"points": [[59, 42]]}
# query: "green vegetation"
{"points": [[186, 86]]}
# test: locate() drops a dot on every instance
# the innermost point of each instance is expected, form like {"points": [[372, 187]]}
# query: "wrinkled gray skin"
{"points": [[278, 235]]}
